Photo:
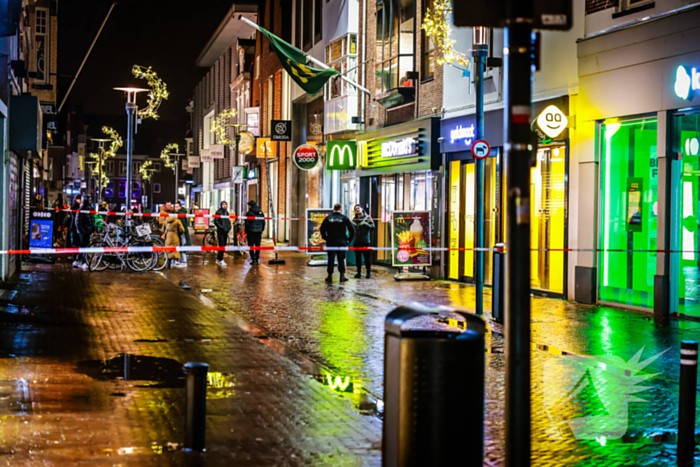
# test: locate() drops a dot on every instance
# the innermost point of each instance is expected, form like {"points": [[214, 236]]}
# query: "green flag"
{"points": [[310, 79]]}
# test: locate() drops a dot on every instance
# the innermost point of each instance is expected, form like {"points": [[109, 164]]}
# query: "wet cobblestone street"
{"points": [[296, 367]]}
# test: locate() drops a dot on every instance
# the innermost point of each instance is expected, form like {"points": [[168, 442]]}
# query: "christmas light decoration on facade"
{"points": [[145, 170], [436, 27], [165, 154], [159, 91], [218, 127]]}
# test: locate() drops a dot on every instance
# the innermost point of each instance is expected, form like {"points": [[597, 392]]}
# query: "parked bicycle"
{"points": [[120, 237]]}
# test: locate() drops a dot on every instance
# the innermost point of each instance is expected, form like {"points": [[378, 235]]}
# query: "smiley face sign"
{"points": [[550, 123]]}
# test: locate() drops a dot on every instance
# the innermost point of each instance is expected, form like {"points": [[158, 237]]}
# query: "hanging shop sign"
{"points": [[237, 173], [41, 230], [205, 156], [281, 130], [266, 148], [410, 230], [193, 162], [251, 174], [306, 157], [550, 123], [481, 149], [314, 219], [686, 82], [217, 151], [341, 155]]}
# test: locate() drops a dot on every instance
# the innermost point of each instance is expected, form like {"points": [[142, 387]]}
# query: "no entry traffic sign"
{"points": [[481, 149]]}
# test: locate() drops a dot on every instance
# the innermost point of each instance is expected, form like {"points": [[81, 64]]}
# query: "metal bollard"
{"points": [[686, 403], [195, 415], [499, 285]]}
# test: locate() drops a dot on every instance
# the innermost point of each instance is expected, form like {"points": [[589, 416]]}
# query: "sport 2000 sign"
{"points": [[306, 157]]}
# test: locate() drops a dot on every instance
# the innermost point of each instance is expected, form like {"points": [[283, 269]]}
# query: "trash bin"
{"points": [[433, 387]]}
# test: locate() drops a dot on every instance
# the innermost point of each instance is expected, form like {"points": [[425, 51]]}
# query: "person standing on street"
{"points": [[85, 226], [172, 232], [337, 230], [254, 229], [363, 227], [223, 227], [185, 237], [72, 237]]}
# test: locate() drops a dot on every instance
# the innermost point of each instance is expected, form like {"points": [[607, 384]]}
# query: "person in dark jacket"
{"points": [[223, 226], [337, 230], [254, 229], [72, 237], [85, 226], [363, 227]]}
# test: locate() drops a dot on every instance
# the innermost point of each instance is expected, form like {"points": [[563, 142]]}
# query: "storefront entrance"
{"points": [[548, 221]]}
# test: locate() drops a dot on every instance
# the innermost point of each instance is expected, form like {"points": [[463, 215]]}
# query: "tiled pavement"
{"points": [[60, 402], [65, 401]]}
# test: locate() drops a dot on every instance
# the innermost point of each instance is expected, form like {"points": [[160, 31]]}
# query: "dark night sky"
{"points": [[165, 34]]}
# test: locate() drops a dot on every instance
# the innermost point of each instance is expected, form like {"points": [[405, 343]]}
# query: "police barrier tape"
{"points": [[186, 249], [192, 216]]}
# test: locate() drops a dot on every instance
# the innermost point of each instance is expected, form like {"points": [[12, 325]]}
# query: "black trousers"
{"points": [[341, 261], [254, 239], [359, 254], [222, 237]]}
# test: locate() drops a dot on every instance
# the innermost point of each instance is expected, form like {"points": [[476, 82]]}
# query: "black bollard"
{"points": [[686, 403], [196, 412], [499, 284]]}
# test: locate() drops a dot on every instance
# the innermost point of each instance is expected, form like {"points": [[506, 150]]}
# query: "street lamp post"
{"points": [[101, 142], [131, 115], [177, 173], [237, 128], [480, 51]]}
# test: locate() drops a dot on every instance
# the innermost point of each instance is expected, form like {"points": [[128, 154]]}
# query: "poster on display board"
{"points": [[314, 219], [635, 189], [411, 230], [41, 230], [201, 223]]}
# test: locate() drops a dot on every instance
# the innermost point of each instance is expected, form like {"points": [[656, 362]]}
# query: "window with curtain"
{"points": [[395, 36]]}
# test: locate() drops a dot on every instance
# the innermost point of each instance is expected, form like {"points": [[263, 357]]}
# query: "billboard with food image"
{"points": [[314, 219], [410, 230]]}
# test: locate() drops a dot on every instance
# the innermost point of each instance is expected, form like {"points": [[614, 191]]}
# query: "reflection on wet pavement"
{"points": [[341, 327], [163, 372]]}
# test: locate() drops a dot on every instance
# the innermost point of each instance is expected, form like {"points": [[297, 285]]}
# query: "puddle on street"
{"points": [[161, 372]]}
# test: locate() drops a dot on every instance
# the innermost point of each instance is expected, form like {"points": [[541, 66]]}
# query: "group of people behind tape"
{"points": [[76, 229]]}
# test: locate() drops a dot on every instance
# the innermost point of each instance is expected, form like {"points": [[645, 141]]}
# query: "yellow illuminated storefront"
{"points": [[548, 204]]}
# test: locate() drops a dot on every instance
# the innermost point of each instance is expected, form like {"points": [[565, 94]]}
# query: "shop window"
{"points": [[628, 214], [685, 266], [342, 56], [318, 20], [307, 24], [109, 167], [394, 43], [122, 167], [428, 48]]}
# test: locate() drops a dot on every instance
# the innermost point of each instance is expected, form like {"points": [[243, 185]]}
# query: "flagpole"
{"points": [[310, 58]]}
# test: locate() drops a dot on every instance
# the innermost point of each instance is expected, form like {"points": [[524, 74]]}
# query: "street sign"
{"points": [[481, 149], [547, 14], [281, 130], [237, 174], [306, 157]]}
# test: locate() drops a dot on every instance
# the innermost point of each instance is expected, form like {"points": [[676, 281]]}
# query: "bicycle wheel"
{"points": [[162, 259], [95, 260]]}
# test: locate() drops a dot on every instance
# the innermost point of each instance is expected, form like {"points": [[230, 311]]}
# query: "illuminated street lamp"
{"points": [[131, 109]]}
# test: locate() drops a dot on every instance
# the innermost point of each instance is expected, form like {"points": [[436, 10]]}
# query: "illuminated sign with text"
{"points": [[403, 147]]}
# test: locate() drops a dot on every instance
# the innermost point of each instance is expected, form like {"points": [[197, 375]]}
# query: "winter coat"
{"points": [[254, 225], [173, 229], [85, 223], [363, 227], [222, 223], [334, 227], [163, 220], [183, 221], [72, 218]]}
